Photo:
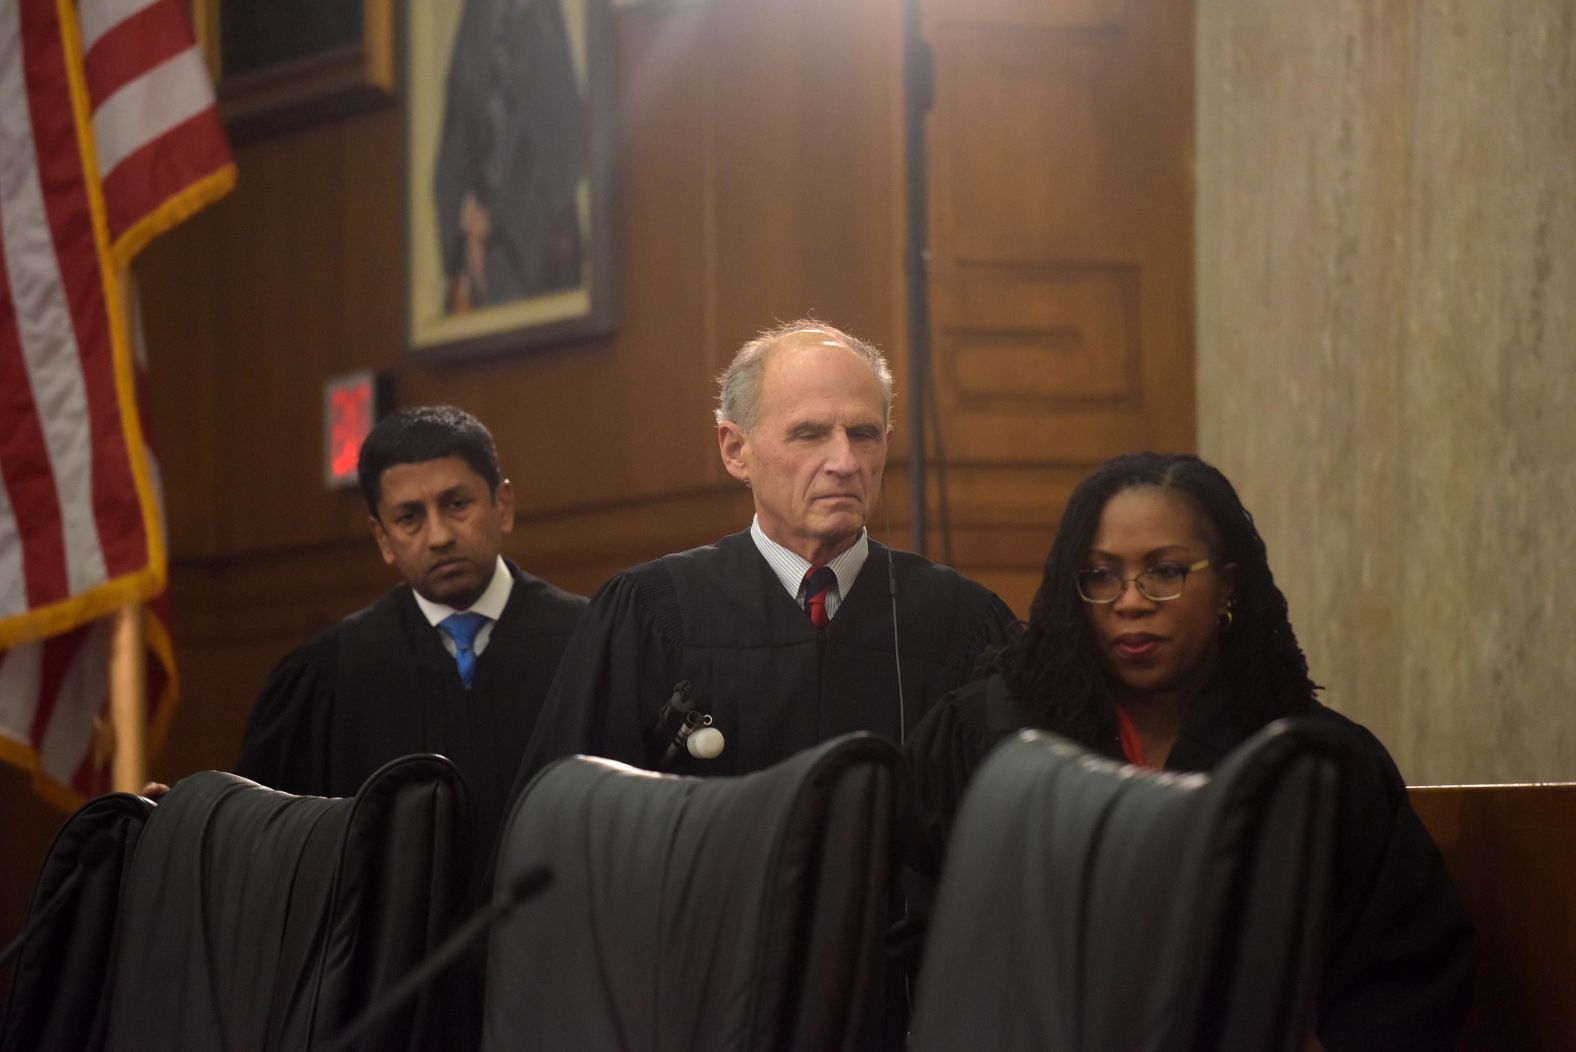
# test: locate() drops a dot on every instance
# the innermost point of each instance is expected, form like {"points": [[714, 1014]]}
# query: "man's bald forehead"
{"points": [[739, 385], [808, 338]]}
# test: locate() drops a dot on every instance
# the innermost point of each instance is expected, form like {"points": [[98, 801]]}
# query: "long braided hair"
{"points": [[1054, 668]]}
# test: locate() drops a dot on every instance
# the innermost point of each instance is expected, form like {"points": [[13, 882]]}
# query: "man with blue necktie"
{"points": [[455, 660]]}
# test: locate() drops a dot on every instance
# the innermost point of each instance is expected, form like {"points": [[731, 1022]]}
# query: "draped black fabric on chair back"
{"points": [[700, 914], [1090, 905], [257, 920], [56, 1001]]}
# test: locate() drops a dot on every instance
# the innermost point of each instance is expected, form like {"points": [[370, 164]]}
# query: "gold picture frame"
{"points": [[285, 64]]}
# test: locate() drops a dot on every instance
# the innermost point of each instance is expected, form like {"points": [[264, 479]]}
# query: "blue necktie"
{"points": [[462, 628]]}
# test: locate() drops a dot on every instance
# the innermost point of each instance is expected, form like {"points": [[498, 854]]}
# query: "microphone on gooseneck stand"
{"points": [[525, 886]]}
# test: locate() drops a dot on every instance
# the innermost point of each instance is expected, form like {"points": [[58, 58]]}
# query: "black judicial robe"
{"points": [[1400, 967], [379, 685], [718, 617]]}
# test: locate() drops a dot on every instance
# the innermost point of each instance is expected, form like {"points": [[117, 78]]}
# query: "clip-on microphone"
{"points": [[680, 724]]}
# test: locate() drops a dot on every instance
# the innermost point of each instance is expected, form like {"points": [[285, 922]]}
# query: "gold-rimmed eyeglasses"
{"points": [[1161, 583]]}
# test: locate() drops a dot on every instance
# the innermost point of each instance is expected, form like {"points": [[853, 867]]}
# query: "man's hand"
{"points": [[154, 790], [476, 228], [458, 300]]}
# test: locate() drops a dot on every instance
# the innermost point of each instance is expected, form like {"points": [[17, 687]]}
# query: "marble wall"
{"points": [[1386, 237]]}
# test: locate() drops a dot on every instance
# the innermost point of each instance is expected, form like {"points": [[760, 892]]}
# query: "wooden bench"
{"points": [[1511, 850]]}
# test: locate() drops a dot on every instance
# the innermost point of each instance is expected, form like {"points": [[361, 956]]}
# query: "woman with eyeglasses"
{"points": [[1158, 636]]}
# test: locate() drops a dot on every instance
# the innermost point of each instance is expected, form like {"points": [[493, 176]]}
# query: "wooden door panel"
{"points": [[1043, 340], [1061, 254], [1024, 162], [1064, 14]]}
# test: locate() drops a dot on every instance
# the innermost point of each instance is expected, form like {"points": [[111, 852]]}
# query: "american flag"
{"points": [[108, 137]]}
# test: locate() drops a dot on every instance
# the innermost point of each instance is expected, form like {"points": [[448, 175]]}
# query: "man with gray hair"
{"points": [[793, 631]]}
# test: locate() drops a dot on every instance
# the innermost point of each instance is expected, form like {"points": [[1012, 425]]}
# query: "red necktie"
{"points": [[818, 583]]}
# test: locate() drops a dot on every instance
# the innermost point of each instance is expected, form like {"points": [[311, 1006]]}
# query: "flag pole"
{"points": [[128, 655], [128, 703]]}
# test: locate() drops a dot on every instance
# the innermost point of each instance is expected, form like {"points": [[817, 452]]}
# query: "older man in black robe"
{"points": [[795, 630]]}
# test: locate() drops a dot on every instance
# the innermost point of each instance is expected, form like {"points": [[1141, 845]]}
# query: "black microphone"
{"points": [[698, 737], [669, 721], [95, 851], [526, 885], [680, 725]]}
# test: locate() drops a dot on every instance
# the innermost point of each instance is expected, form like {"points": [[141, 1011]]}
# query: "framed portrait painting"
{"points": [[508, 162], [284, 64]]}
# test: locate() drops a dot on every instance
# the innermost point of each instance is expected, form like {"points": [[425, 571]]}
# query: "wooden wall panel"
{"points": [[1067, 338], [1510, 850], [1059, 14], [1061, 283], [1019, 159], [808, 168]]}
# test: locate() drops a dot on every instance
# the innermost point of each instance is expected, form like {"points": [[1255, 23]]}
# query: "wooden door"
{"points": [[1061, 212]]}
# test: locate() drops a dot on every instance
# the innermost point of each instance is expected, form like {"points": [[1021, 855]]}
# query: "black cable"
{"points": [[918, 83], [943, 505], [897, 655]]}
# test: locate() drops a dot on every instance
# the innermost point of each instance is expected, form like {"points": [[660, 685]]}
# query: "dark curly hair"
{"points": [[1053, 666]]}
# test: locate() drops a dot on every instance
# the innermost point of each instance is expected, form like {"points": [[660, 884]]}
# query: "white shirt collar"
{"points": [[790, 567], [491, 602]]}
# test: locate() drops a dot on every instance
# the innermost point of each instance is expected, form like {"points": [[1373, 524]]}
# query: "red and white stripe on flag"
{"points": [[108, 136]]}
